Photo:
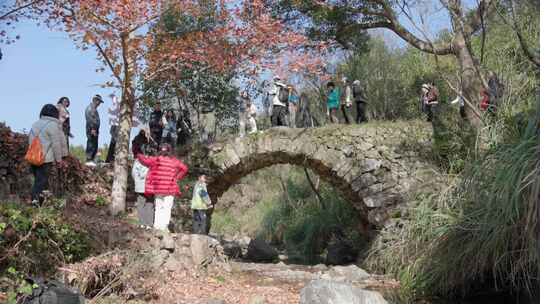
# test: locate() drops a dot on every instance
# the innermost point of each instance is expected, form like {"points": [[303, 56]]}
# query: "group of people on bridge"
{"points": [[285, 103]]}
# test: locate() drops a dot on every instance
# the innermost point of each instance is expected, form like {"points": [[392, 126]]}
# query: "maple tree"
{"points": [[117, 29], [244, 38]]}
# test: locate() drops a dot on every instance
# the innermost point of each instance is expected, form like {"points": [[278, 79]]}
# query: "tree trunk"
{"points": [[120, 182], [471, 79]]}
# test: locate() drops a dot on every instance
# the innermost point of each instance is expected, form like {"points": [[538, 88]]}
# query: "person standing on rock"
{"points": [[63, 116], [332, 102], [200, 203], [48, 130], [145, 206], [92, 130], [161, 181]]}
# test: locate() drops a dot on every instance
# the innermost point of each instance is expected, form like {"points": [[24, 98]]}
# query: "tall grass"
{"points": [[482, 232], [495, 238]]}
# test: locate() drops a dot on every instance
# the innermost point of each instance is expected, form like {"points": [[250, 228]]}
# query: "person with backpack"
{"points": [[200, 203], [332, 102], [156, 125], [92, 130], [280, 96], [145, 206], [431, 100], [62, 106], [162, 182], [293, 106], [347, 105], [360, 100], [47, 146]]}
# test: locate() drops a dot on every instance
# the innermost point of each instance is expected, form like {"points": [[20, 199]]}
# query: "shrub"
{"points": [[34, 241], [481, 231]]}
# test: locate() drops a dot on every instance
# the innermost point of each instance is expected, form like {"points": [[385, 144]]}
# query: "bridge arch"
{"points": [[368, 164]]}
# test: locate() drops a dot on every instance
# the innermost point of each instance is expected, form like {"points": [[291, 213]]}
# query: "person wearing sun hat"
{"points": [[92, 129]]}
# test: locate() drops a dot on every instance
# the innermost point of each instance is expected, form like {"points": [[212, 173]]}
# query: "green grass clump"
{"points": [[33, 242]]}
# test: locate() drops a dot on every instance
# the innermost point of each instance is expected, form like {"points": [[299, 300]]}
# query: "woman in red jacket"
{"points": [[162, 182]]}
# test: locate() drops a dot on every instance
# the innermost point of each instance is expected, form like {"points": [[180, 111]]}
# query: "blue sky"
{"points": [[45, 65], [42, 67]]}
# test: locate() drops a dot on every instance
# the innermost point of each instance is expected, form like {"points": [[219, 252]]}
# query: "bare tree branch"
{"points": [[19, 8]]}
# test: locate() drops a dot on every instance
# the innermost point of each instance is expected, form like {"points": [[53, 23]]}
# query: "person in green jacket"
{"points": [[200, 203], [332, 103]]}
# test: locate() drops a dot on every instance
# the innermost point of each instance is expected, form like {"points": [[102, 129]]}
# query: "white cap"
{"points": [[344, 79], [356, 82]]}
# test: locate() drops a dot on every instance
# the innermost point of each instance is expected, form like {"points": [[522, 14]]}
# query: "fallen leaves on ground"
{"points": [[184, 286]]}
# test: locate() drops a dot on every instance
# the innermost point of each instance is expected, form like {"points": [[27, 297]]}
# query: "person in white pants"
{"points": [[164, 204], [161, 181]]}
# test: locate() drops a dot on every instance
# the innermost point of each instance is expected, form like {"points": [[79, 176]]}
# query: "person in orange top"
{"points": [[162, 182]]}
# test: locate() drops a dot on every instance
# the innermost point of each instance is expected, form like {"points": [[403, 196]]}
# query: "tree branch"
{"points": [[19, 8], [108, 62], [533, 57], [476, 21]]}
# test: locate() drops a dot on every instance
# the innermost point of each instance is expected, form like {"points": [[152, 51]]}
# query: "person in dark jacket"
{"points": [[361, 102], [53, 143], [156, 125], [139, 143], [92, 130]]}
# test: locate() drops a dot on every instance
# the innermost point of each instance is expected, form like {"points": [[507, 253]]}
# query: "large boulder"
{"points": [[328, 292], [260, 251], [351, 273], [205, 250]]}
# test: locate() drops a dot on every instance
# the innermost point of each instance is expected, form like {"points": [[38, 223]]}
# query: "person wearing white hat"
{"points": [[280, 95]]}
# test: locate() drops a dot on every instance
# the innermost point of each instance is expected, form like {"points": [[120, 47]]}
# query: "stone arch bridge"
{"points": [[373, 166]]}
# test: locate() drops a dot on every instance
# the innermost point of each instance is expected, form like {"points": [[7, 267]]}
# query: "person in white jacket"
{"points": [[145, 205]]}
